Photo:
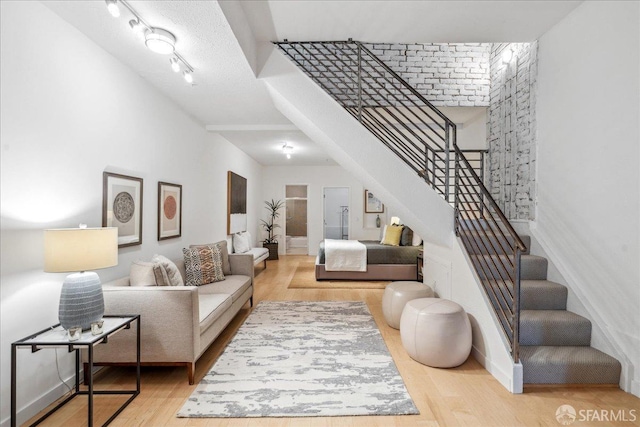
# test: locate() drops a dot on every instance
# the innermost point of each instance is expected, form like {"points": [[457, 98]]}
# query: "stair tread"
{"points": [[568, 365], [554, 327], [542, 295]]}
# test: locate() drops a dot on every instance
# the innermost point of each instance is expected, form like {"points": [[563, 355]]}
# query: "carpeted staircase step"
{"points": [[554, 327], [568, 365], [532, 267], [483, 244], [542, 295]]}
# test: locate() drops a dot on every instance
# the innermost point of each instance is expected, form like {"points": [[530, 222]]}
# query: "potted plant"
{"points": [[270, 225]]}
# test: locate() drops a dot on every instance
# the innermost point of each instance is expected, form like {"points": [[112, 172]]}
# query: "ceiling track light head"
{"points": [[175, 64], [112, 7], [160, 41], [188, 77]]}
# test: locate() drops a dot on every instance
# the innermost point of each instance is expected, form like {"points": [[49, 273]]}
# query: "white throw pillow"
{"points": [[241, 243], [383, 231], [173, 274], [417, 240]]}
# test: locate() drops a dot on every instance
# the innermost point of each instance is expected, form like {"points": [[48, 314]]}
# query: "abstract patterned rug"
{"points": [[303, 359]]}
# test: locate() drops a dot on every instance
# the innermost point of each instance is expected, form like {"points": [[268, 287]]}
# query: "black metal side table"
{"points": [[57, 337]]}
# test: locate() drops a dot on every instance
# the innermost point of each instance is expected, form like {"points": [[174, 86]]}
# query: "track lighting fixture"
{"points": [[287, 150], [507, 55], [112, 7], [156, 39], [175, 65], [160, 41]]}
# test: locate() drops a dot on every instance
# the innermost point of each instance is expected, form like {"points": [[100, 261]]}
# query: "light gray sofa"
{"points": [[177, 323]]}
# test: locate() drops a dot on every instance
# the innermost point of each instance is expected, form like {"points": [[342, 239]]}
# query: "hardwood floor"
{"points": [[467, 395]]}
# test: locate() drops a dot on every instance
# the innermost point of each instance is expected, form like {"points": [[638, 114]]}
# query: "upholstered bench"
{"points": [[436, 332], [242, 243], [259, 255], [397, 294]]}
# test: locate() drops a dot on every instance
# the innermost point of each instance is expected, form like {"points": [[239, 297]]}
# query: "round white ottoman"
{"points": [[397, 294], [436, 332]]}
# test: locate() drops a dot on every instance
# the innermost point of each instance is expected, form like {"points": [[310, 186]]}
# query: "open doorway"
{"points": [[296, 233], [336, 213]]}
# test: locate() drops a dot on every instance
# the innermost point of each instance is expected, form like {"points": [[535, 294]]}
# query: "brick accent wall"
{"points": [[511, 130], [447, 74]]}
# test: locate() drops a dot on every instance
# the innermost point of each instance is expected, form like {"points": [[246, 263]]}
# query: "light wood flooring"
{"points": [[463, 396]]}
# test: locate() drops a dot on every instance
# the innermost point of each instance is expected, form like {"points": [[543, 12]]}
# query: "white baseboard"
{"points": [[513, 382], [32, 408]]}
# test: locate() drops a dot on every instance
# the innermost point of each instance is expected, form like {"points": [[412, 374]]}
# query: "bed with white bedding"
{"points": [[383, 262]]}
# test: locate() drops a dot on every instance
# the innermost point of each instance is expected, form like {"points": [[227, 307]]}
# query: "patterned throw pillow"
{"points": [[203, 265], [224, 253]]}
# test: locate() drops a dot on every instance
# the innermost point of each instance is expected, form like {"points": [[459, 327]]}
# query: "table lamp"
{"points": [[395, 220], [78, 250]]}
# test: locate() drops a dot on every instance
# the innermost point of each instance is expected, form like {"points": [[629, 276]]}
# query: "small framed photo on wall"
{"points": [[169, 210], [371, 203], [122, 207]]}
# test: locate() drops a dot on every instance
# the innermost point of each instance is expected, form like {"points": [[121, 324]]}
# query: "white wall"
{"points": [[69, 112], [588, 161], [361, 226]]}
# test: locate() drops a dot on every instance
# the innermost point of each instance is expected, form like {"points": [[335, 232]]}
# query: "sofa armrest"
{"points": [[169, 323], [242, 264]]}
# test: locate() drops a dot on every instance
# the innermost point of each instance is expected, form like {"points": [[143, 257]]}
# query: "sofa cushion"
{"points": [[234, 285], [211, 307], [224, 254], [203, 265], [172, 272]]}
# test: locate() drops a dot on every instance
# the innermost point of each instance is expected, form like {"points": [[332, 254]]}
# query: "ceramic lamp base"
{"points": [[81, 300]]}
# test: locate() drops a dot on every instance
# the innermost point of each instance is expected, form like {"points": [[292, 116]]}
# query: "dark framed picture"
{"points": [[169, 210], [371, 203], [122, 207], [236, 203]]}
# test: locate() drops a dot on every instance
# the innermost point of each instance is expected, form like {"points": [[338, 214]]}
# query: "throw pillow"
{"points": [[392, 235], [416, 241], [224, 253], [407, 236], [173, 274], [241, 243], [143, 273], [203, 265], [383, 230]]}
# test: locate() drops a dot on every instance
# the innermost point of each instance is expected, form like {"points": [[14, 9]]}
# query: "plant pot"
{"points": [[273, 250]]}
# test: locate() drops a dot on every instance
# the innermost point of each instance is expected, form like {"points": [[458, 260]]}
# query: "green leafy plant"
{"points": [[270, 225]]}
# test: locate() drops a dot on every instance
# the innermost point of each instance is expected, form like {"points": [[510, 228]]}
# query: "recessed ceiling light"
{"points": [[160, 41]]}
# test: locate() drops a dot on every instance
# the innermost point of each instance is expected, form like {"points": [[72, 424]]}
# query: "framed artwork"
{"points": [[371, 203], [236, 203], [122, 207], [169, 210]]}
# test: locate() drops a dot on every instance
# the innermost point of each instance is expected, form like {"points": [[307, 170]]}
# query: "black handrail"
{"points": [[425, 139]]}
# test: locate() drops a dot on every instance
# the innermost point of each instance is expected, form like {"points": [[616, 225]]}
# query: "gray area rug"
{"points": [[303, 359]]}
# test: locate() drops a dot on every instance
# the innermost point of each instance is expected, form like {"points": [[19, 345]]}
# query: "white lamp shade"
{"points": [[395, 220], [80, 249]]}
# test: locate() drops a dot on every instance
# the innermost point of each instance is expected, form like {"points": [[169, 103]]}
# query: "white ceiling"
{"points": [[227, 97]]}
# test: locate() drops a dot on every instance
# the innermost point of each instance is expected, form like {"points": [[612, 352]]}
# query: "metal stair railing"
{"points": [[425, 139]]}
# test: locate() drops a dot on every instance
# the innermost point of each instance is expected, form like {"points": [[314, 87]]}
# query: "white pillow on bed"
{"points": [[383, 231], [417, 240]]}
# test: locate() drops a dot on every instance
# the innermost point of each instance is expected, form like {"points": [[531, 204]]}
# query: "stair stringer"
{"points": [[354, 148], [462, 284]]}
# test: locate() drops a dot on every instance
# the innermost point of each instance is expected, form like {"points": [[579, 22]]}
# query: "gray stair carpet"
{"points": [[554, 328], [568, 365], [532, 267], [542, 295]]}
